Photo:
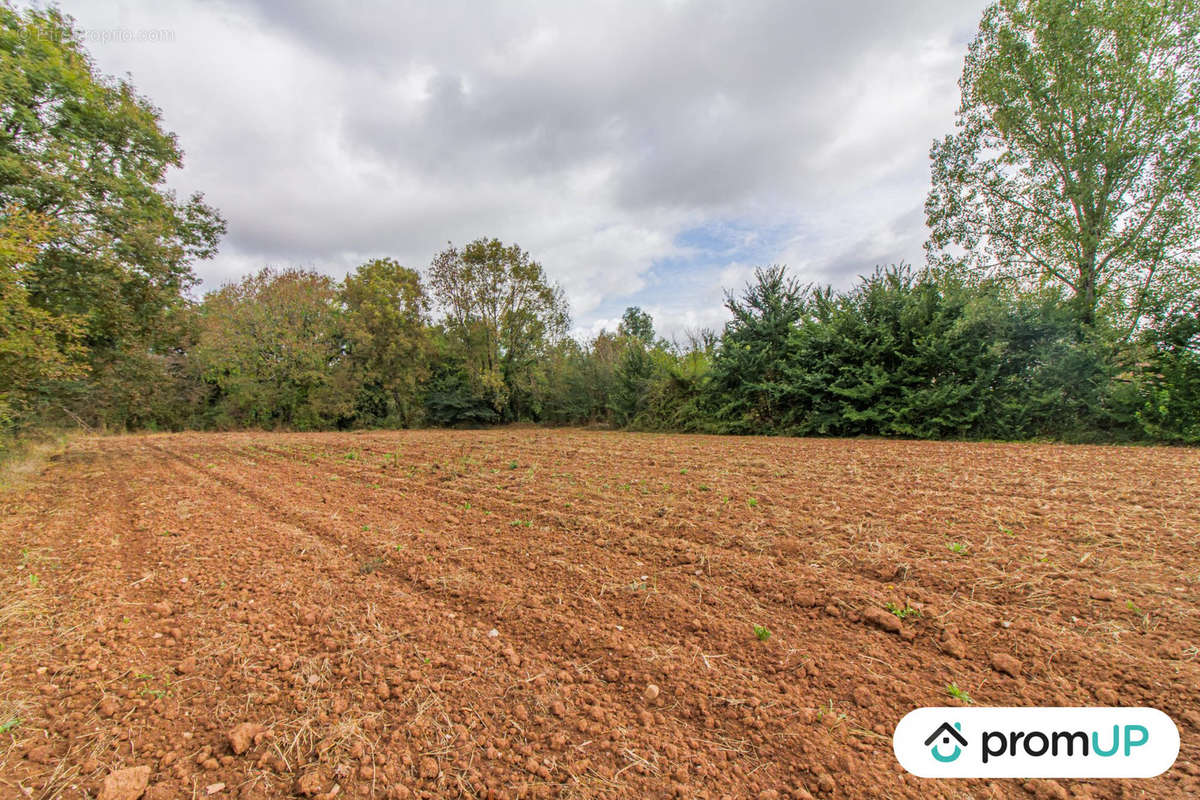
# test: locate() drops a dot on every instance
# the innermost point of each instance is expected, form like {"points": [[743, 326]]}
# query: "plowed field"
{"points": [[533, 613]]}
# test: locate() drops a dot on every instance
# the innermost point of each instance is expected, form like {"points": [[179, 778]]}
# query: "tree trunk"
{"points": [[1085, 295]]}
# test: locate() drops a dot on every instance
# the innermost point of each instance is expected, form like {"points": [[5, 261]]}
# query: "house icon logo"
{"points": [[1036, 742], [946, 732]]}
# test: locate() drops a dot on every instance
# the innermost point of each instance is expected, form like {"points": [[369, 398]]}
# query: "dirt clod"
{"points": [[954, 647], [311, 784], [387, 684], [1007, 664], [243, 736], [40, 754], [883, 620], [125, 784]]}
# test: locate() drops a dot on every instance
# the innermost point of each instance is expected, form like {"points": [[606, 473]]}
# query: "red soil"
{"points": [[531, 613]]}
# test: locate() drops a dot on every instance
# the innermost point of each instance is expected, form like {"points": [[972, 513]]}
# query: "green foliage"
{"points": [[903, 612], [577, 384], [918, 354], [1055, 379], [451, 397], [749, 372], [762, 633], [677, 400], [1074, 163], [87, 156], [38, 348], [958, 694], [387, 346], [634, 373], [1061, 300], [503, 315], [638, 325], [270, 351], [899, 354], [146, 389], [1168, 385]]}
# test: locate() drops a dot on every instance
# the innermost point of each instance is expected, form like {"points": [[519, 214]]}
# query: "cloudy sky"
{"points": [[646, 153]]}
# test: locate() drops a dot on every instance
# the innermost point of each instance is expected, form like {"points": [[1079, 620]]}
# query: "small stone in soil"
{"points": [[310, 784], [125, 784], [883, 620], [241, 737], [1003, 662]]}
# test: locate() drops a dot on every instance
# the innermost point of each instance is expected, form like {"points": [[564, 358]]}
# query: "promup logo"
{"points": [[1036, 742], [945, 732]]}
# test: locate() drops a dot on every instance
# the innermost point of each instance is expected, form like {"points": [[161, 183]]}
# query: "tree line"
{"points": [[905, 352], [1060, 299]]}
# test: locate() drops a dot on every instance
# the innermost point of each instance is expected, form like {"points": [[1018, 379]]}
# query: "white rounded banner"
{"points": [[1005, 742]]}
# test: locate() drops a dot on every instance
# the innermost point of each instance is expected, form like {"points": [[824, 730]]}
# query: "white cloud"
{"points": [[593, 135]]}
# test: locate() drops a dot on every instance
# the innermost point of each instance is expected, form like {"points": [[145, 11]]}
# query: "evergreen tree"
{"points": [[748, 382]]}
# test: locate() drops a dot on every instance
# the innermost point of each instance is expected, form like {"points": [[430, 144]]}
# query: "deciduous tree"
{"points": [[270, 348], [89, 154], [637, 324], [1076, 160], [38, 349], [503, 312], [387, 338]]}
